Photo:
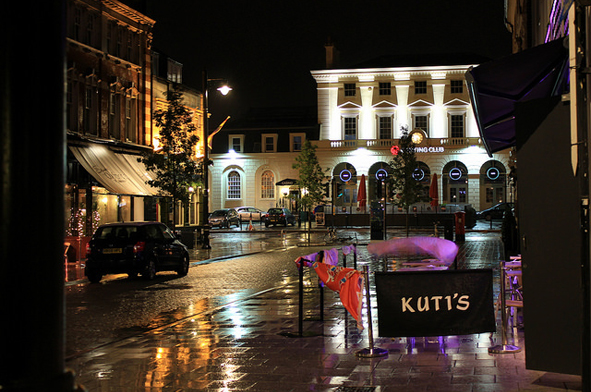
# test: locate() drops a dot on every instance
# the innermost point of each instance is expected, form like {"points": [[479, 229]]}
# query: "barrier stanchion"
{"points": [[371, 351], [503, 348]]}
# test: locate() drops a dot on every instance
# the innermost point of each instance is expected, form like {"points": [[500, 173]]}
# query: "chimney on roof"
{"points": [[332, 55]]}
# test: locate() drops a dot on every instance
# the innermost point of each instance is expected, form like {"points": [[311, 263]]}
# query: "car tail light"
{"points": [[139, 246], [87, 249]]}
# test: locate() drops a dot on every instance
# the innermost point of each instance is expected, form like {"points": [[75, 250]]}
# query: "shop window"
{"points": [[268, 185], [234, 185]]}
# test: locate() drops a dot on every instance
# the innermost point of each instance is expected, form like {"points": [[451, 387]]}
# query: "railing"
{"points": [[378, 144]]}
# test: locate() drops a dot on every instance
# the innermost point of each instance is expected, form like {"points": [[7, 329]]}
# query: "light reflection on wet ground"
{"points": [[243, 346]]}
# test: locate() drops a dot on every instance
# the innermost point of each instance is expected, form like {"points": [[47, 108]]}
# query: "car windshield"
{"points": [[275, 211], [119, 232], [219, 213]]}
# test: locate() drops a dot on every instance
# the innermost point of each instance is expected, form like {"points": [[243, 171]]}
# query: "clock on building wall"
{"points": [[417, 137]]}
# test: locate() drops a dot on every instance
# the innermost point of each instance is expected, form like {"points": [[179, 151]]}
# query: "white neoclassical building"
{"points": [[360, 114]]}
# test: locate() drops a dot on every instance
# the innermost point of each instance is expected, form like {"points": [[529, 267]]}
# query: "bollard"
{"points": [[371, 351]]}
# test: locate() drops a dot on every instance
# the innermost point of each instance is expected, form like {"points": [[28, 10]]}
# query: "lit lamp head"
{"points": [[225, 89]]}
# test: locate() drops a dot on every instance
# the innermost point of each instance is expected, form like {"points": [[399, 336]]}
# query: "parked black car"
{"points": [[224, 218], [135, 248], [279, 216], [495, 212]]}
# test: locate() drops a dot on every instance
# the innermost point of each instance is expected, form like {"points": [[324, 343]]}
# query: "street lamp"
{"points": [[224, 89]]}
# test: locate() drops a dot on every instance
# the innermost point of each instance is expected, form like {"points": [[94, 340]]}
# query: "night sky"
{"points": [[266, 49]]}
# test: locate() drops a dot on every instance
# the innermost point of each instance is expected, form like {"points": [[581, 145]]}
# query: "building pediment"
{"points": [[420, 103], [456, 102], [349, 105], [384, 105]]}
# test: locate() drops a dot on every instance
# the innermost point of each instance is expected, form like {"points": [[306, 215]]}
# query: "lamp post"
{"points": [[205, 218]]}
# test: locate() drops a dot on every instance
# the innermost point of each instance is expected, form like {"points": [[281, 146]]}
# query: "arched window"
{"points": [[268, 185], [234, 185]]}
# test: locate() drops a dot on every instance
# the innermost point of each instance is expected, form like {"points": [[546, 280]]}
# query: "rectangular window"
{"points": [[422, 122], [109, 37], [236, 143], [90, 30], [77, 23], [385, 125], [457, 86], [350, 89], [385, 88], [457, 126], [114, 116], [269, 144], [420, 87], [350, 128], [297, 141], [119, 47]]}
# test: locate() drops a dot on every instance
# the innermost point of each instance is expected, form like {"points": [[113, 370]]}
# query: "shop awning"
{"points": [[497, 86], [287, 181], [119, 173]]}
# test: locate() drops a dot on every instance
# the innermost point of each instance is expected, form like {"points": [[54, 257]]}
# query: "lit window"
{"points": [[350, 89], [420, 87], [385, 124], [350, 128], [422, 122], [234, 185], [385, 88], [457, 86], [268, 185], [457, 126]]}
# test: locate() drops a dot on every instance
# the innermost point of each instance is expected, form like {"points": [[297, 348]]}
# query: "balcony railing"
{"points": [[378, 144]]}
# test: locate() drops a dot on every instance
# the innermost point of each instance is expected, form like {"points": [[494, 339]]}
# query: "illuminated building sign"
{"points": [[455, 174], [429, 149], [418, 174], [381, 175], [345, 175], [493, 173]]}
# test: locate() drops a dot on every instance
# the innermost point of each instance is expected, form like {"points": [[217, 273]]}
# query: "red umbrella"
{"points": [[361, 193], [434, 191]]}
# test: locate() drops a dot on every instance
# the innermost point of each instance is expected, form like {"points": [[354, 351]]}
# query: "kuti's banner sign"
{"points": [[435, 303]]}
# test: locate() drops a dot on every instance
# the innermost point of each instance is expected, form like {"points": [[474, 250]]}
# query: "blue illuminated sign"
{"points": [[345, 175], [381, 174]]}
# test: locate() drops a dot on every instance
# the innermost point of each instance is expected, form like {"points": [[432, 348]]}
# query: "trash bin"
{"points": [[460, 226], [187, 236]]}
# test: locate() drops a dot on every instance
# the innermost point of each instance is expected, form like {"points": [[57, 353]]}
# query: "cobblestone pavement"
{"points": [[254, 344]]}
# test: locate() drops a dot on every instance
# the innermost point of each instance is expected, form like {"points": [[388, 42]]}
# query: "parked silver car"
{"points": [[247, 213]]}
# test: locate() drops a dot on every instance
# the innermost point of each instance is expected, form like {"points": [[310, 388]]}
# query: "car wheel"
{"points": [[266, 224], [94, 277], [184, 268], [150, 270]]}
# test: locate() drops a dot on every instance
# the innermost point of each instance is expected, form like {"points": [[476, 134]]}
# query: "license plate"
{"points": [[110, 251]]}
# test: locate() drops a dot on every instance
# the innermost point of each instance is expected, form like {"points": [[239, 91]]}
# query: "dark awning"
{"points": [[495, 87], [287, 181]]}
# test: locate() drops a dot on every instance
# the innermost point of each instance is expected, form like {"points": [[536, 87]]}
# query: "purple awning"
{"points": [[497, 86]]}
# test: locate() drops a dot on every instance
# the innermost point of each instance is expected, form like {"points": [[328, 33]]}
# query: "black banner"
{"points": [[435, 303]]}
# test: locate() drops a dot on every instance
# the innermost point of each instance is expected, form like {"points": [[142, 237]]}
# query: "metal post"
{"points": [[205, 219], [503, 348], [371, 351]]}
